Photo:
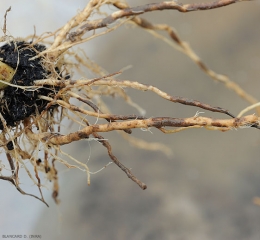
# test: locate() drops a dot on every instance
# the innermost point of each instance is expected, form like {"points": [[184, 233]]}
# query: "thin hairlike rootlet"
{"points": [[38, 92]]}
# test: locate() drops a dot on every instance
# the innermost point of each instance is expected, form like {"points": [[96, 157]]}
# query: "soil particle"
{"points": [[16, 103]]}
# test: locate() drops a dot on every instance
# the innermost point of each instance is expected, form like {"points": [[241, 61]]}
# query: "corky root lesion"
{"points": [[80, 100]]}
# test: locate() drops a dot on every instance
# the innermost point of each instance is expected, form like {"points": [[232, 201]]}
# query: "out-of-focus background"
{"points": [[206, 189]]}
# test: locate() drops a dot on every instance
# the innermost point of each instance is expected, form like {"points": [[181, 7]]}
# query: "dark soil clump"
{"points": [[17, 103]]}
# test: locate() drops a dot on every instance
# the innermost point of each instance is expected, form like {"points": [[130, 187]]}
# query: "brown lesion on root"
{"points": [[127, 171]]}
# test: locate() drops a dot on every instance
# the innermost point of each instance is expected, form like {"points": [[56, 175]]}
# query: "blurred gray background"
{"points": [[206, 189]]}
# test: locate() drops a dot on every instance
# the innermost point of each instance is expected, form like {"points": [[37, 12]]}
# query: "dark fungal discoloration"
{"points": [[169, 122], [16, 103], [196, 103], [217, 123], [83, 135], [237, 121]]}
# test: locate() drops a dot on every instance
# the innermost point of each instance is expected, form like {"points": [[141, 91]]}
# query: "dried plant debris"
{"points": [[37, 93], [19, 103]]}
